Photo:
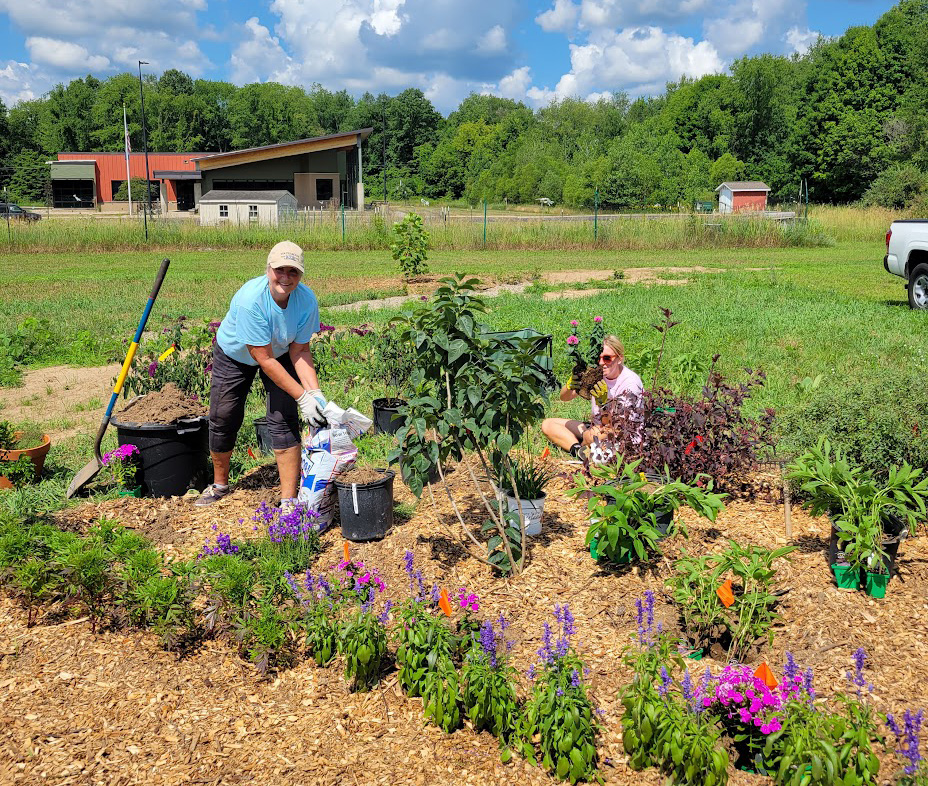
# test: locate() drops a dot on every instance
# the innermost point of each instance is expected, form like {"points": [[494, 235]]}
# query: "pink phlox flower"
{"points": [[574, 323], [573, 340], [597, 319]]}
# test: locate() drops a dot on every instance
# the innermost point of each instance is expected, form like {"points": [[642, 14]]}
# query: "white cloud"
{"points": [[386, 20], [633, 57], [800, 41], [562, 18], [17, 82], [514, 85], [258, 56], [746, 24], [64, 55], [493, 41]]}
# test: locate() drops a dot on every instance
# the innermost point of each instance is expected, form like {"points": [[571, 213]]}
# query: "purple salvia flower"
{"points": [[574, 679], [385, 614], [545, 652], [291, 582], [665, 682], [790, 670], [857, 678], [640, 618], [559, 691], [407, 563], [807, 683], [688, 693], [910, 742], [531, 672], [488, 641], [893, 726], [436, 593], [502, 624], [649, 608]]}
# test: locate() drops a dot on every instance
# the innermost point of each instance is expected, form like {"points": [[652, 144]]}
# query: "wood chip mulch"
{"points": [[114, 708]]}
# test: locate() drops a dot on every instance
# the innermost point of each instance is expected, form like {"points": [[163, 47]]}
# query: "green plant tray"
{"points": [[876, 584], [136, 492], [846, 577], [695, 654]]}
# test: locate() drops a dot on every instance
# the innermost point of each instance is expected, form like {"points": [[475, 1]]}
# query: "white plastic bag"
{"points": [[319, 468]]}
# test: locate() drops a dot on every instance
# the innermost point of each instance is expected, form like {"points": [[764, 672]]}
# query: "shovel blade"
{"points": [[82, 478]]}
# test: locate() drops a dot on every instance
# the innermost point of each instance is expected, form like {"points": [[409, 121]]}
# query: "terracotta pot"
{"points": [[37, 455]]}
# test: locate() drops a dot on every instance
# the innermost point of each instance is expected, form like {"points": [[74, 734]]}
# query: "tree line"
{"points": [[850, 116]]}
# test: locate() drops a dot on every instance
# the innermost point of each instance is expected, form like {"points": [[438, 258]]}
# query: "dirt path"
{"points": [[68, 399], [635, 275]]}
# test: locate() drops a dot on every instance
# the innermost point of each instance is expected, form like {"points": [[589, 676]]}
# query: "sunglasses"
{"points": [[607, 358]]}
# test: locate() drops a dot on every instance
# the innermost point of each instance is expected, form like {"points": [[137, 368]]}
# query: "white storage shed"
{"points": [[245, 207]]}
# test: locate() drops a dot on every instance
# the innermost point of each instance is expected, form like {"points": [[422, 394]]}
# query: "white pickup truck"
{"points": [[907, 257]]}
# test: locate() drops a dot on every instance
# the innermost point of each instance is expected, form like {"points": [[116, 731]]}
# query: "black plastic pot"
{"points": [[894, 532], [263, 433], [384, 411], [664, 520], [175, 457], [366, 510]]}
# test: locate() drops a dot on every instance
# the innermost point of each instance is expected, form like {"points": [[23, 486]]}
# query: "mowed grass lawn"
{"points": [[833, 310]]}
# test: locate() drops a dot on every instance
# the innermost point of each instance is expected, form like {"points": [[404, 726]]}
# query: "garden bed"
{"points": [[115, 707]]}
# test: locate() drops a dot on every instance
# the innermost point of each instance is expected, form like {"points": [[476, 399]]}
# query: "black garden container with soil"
{"points": [[174, 456], [263, 433], [384, 411], [366, 509]]}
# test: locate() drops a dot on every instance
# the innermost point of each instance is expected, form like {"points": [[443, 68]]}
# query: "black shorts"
{"points": [[228, 391]]}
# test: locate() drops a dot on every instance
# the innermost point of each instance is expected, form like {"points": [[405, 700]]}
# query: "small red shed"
{"points": [[742, 195]]}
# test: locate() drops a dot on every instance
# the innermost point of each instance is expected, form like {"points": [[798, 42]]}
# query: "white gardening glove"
{"points": [[311, 403]]}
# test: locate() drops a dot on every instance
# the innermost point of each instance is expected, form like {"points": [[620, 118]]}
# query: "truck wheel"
{"points": [[918, 288]]}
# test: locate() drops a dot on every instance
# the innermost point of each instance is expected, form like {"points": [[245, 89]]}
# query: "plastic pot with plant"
{"points": [[867, 514], [625, 508], [522, 481]]}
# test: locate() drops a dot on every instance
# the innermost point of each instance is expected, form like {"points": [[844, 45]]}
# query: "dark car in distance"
{"points": [[9, 210]]}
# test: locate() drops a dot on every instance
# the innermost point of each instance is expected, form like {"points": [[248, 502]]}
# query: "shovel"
{"points": [[89, 472]]}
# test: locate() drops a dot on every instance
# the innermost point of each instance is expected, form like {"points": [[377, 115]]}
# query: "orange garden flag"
{"points": [[545, 453], [444, 602], [347, 551], [725, 594], [764, 674]]}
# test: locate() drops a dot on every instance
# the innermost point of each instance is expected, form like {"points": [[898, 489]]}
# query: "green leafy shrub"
{"points": [[753, 610], [441, 696], [264, 635], [623, 509], [86, 576], [859, 503], [31, 340], [874, 430], [559, 711], [35, 581], [424, 641], [230, 582], [363, 643], [489, 693], [410, 246]]}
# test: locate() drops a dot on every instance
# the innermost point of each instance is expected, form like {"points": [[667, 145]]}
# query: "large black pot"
{"points": [[366, 510], [263, 433], [175, 456], [386, 417]]}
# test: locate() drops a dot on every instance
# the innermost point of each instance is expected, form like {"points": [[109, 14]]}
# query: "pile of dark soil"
{"points": [[162, 406]]}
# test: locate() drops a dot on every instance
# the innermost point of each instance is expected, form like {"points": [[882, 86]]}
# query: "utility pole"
{"points": [[384, 157], [145, 145]]}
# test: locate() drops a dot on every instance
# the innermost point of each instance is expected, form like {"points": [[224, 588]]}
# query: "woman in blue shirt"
{"points": [[267, 331]]}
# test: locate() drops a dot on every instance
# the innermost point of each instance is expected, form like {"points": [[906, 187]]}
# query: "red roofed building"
{"points": [[742, 195]]}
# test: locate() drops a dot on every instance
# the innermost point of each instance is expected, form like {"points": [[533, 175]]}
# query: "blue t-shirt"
{"points": [[255, 319]]}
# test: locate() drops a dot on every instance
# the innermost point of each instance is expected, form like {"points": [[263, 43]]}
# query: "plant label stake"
{"points": [[347, 551], [167, 353], [725, 594], [764, 674], [354, 497], [444, 603]]}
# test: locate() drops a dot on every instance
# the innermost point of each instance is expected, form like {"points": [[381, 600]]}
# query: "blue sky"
{"points": [[532, 51]]}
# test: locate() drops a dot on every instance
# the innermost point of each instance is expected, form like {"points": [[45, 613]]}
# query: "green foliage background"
{"points": [[839, 115]]}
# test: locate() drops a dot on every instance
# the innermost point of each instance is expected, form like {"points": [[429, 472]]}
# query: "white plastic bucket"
{"points": [[531, 513]]}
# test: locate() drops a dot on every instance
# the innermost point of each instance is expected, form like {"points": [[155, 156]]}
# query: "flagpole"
{"points": [[125, 126]]}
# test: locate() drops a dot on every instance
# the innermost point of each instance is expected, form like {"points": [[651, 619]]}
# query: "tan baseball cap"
{"points": [[286, 254]]}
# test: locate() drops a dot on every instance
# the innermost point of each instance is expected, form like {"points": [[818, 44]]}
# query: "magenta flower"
{"points": [[573, 341], [574, 323], [151, 368], [597, 319]]}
